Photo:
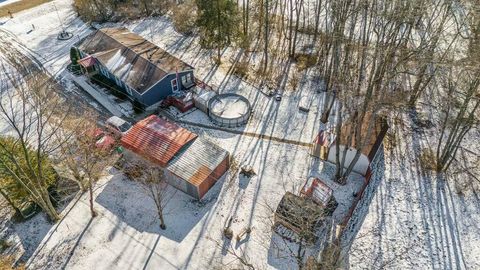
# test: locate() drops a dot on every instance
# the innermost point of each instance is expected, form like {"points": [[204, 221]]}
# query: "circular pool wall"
{"points": [[229, 110]]}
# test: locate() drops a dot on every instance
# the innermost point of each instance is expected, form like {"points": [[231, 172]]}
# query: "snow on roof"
{"points": [[138, 62], [156, 139], [197, 161]]}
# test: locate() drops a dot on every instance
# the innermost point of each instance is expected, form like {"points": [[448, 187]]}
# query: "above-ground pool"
{"points": [[229, 110]]}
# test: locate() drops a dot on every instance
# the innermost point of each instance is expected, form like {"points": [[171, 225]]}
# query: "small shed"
{"points": [[197, 168], [201, 99], [321, 144], [299, 214], [318, 191]]}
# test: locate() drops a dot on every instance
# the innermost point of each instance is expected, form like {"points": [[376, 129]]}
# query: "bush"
{"points": [[4, 245], [16, 192], [305, 60], [6, 263], [241, 69], [118, 10], [390, 141], [294, 79], [428, 159]]}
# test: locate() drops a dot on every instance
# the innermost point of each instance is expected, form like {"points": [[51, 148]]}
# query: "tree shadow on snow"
{"points": [[134, 208]]}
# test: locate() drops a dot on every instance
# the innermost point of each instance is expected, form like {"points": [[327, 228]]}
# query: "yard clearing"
{"points": [[17, 6]]}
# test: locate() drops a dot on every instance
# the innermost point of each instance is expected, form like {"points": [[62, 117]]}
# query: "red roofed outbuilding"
{"points": [[191, 164]]}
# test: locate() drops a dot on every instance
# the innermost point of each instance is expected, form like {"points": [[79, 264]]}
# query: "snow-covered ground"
{"points": [[413, 222], [280, 119], [37, 29], [417, 220]]}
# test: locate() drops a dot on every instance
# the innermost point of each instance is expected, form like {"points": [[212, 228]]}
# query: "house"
{"points": [[144, 72], [190, 164]]}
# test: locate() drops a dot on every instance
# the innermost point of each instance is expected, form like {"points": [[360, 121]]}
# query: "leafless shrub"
{"points": [[7, 262], [428, 159], [152, 180], [390, 141], [305, 61], [294, 79], [241, 69]]}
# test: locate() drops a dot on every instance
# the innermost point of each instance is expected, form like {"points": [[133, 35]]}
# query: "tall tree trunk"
{"points": [[10, 202], [163, 226], [265, 66], [329, 101], [90, 192]]}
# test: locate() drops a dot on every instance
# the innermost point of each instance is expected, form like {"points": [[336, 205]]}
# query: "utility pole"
{"points": [[58, 16], [64, 35]]}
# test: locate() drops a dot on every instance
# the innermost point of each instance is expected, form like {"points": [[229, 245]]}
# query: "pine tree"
{"points": [[217, 20]]}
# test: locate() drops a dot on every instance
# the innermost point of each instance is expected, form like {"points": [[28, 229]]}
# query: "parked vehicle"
{"points": [[103, 141], [117, 126]]}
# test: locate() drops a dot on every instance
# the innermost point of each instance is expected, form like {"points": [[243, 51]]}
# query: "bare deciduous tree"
{"points": [[460, 115], [34, 113], [86, 158], [153, 182]]}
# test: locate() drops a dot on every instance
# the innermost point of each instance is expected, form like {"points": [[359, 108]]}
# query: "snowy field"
{"points": [[413, 222]]}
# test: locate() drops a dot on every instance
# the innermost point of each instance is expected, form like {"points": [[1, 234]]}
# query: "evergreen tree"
{"points": [[18, 166], [217, 20]]}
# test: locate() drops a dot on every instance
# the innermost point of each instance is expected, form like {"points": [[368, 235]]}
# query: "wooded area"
{"points": [[374, 56]]}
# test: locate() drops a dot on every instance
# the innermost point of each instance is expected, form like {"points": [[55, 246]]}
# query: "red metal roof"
{"points": [[156, 139], [88, 61]]}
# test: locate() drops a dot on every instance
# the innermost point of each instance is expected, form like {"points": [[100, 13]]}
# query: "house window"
{"points": [[174, 85], [187, 80]]}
